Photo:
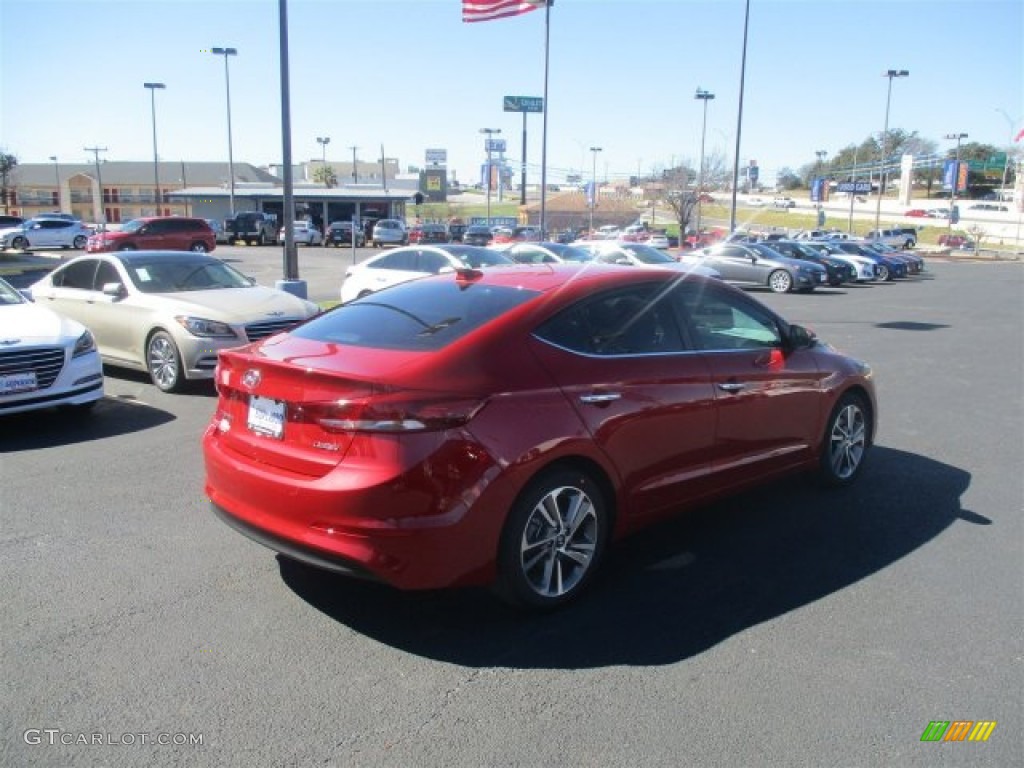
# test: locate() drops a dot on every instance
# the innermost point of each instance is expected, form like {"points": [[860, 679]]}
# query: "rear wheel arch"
{"points": [[589, 467], [530, 575]]}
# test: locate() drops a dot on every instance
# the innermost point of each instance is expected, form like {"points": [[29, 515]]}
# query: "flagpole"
{"points": [[544, 130]]}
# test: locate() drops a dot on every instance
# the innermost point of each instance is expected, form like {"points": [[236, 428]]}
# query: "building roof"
{"points": [[302, 191], [133, 173]]}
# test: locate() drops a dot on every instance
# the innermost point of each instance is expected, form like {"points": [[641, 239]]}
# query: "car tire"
{"points": [[780, 281], [198, 247], [163, 362], [19, 243], [883, 273], [553, 540], [79, 242], [846, 441]]}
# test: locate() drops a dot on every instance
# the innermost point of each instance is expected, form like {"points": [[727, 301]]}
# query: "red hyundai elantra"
{"points": [[502, 427]]}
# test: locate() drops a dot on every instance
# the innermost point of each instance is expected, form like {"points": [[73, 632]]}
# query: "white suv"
{"points": [[897, 238], [389, 232]]}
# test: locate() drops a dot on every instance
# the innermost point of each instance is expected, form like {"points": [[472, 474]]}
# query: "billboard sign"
{"points": [[436, 156], [494, 145]]}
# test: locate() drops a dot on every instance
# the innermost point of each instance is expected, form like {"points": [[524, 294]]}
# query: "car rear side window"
{"points": [[633, 321], [417, 316], [77, 275]]}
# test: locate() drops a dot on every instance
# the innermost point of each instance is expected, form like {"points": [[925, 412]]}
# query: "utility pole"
{"points": [[102, 217], [355, 170]]}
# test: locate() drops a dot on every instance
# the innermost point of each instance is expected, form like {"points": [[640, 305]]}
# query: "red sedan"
{"points": [[916, 213], [503, 427]]}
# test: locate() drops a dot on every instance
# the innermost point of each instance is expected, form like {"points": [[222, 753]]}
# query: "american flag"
{"points": [[486, 10]]}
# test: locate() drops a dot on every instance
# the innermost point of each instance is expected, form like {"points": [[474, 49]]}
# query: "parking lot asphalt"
{"points": [[785, 627]]}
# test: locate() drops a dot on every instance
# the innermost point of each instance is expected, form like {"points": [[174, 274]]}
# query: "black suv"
{"points": [[477, 234]]}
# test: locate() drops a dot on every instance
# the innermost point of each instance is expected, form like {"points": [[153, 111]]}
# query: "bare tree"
{"points": [[680, 198]]}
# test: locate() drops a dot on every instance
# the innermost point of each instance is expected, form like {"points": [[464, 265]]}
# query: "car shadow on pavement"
{"points": [[677, 589], [110, 417]]}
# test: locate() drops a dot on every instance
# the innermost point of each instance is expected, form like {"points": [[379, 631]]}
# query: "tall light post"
{"points": [[593, 187], [891, 74], [488, 132], [957, 137], [739, 119], [153, 88], [704, 96], [323, 141], [226, 52], [355, 169], [56, 175], [99, 183]]}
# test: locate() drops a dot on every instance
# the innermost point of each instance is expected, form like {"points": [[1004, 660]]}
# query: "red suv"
{"points": [[156, 233]]}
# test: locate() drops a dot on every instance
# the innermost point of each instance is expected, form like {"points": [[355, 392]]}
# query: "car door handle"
{"points": [[605, 397], [731, 386]]}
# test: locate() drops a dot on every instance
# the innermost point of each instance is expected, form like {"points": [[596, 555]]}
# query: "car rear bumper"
{"points": [[360, 519]]}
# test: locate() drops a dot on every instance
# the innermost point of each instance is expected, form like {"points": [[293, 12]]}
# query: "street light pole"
{"points": [[153, 88], [323, 141], [355, 171], [56, 173], [487, 146], [891, 73], [225, 52], [958, 137], [739, 120], [99, 183], [853, 192], [704, 96], [593, 188]]}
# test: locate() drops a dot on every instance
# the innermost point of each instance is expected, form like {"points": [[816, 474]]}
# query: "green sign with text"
{"points": [[524, 104]]}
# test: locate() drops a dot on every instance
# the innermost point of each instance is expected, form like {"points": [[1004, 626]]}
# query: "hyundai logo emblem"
{"points": [[251, 378]]}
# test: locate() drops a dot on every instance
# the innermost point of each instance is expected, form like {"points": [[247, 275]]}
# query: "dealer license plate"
{"points": [[266, 416], [18, 382]]}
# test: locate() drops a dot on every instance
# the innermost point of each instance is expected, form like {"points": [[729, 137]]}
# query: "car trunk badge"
{"points": [[251, 378]]}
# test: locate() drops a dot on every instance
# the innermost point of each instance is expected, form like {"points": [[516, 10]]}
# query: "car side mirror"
{"points": [[117, 290], [800, 337]]}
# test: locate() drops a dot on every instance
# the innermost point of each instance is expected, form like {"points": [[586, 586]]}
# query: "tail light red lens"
{"points": [[389, 414]]}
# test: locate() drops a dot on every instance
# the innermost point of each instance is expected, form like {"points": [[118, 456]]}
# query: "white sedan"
{"points": [[412, 261], [304, 233], [45, 359], [643, 255]]}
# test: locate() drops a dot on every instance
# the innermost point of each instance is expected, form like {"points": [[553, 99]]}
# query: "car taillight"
{"points": [[388, 414]]}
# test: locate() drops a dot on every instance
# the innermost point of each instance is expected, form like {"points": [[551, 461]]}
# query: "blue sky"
{"points": [[411, 75]]}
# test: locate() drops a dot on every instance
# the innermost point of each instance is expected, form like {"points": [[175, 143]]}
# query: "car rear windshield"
{"points": [[417, 316]]}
